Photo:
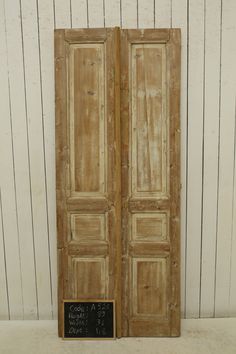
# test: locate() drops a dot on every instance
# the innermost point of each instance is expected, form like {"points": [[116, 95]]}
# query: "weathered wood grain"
{"points": [[173, 69], [84, 227], [151, 275], [86, 104], [61, 161], [125, 112], [150, 226], [117, 186], [150, 115], [149, 131], [88, 164], [88, 277]]}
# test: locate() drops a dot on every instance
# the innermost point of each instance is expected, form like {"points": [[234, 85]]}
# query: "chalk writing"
{"points": [[89, 319]]}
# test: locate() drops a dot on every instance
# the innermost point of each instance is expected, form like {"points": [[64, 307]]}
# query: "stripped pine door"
{"points": [[150, 84], [88, 165], [118, 203]]}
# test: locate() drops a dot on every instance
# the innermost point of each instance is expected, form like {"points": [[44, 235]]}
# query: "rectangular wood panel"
{"points": [[150, 69], [88, 227], [149, 227], [148, 132], [87, 126], [89, 277], [149, 286]]}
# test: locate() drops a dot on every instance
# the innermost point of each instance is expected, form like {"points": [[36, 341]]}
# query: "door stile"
{"points": [[174, 54], [117, 187], [61, 161]]}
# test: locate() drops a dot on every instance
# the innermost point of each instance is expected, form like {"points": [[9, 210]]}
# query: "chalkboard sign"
{"points": [[89, 319]]}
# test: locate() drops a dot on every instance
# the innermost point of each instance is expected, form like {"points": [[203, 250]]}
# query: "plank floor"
{"points": [[198, 336]]}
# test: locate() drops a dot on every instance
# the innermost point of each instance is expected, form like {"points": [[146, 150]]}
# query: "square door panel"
{"points": [[89, 277]]}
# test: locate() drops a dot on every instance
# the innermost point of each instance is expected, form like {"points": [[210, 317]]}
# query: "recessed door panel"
{"points": [[149, 286], [88, 228], [89, 277], [149, 139], [149, 227], [86, 77]]}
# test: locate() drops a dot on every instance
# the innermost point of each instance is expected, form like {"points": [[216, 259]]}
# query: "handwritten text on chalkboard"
{"points": [[89, 319]]}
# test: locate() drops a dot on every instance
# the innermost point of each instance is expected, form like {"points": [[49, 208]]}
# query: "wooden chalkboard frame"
{"points": [[89, 301]]}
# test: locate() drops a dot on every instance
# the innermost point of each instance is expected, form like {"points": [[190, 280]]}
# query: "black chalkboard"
{"points": [[89, 319]]}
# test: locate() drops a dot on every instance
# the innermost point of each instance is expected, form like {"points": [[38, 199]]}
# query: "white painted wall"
{"points": [[27, 159]]}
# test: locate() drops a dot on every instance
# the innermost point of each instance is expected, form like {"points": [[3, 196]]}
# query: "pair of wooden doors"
{"points": [[118, 173]]}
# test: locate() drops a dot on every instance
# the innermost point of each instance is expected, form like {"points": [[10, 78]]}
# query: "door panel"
{"points": [[149, 140], [88, 227], [87, 121], [89, 277], [149, 286], [88, 165], [150, 62], [149, 227]]}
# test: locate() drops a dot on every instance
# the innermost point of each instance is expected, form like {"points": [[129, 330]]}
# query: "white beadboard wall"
{"points": [[28, 269]]}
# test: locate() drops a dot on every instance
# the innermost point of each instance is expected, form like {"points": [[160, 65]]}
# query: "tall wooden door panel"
{"points": [[88, 165], [150, 65]]}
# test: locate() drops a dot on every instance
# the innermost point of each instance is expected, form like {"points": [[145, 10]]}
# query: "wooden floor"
{"points": [[204, 336]]}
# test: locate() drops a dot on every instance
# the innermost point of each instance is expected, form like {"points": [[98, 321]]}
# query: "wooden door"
{"points": [[150, 69], [137, 263], [88, 165]]}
